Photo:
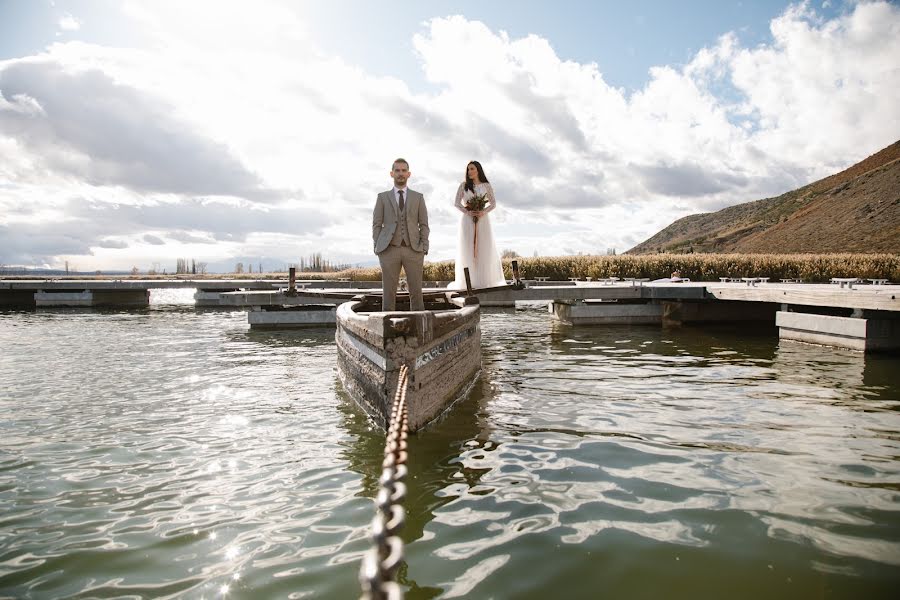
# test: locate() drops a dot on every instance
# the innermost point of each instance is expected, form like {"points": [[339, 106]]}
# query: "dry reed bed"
{"points": [[698, 267]]}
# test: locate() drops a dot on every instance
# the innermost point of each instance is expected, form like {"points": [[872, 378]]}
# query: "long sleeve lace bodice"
{"points": [[482, 188]]}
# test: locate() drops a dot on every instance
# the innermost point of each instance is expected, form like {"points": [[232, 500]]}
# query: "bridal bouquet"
{"points": [[476, 203]]}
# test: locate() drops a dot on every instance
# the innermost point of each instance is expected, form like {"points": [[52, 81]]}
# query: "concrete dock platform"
{"points": [[296, 317], [92, 298], [606, 313], [857, 333]]}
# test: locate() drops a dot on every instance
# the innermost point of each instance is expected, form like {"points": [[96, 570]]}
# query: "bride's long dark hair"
{"points": [[470, 185]]}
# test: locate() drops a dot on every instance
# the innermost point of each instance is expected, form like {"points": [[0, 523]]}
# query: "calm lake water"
{"points": [[173, 453]]}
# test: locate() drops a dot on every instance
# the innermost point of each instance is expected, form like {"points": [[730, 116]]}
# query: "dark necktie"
{"points": [[402, 203]]}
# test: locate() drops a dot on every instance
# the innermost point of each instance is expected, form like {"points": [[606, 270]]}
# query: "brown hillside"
{"points": [[856, 210], [859, 215]]}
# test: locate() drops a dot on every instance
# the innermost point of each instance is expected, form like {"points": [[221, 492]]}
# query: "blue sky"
{"points": [[134, 133], [624, 39]]}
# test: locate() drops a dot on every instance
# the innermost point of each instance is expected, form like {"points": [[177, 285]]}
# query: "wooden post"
{"points": [[515, 269], [468, 281], [292, 278]]}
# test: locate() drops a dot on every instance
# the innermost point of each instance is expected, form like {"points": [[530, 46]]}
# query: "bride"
{"points": [[476, 249]]}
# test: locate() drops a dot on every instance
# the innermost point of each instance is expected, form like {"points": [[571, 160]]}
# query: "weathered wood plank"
{"points": [[864, 297]]}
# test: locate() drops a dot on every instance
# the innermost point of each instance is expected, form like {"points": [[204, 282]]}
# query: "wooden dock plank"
{"points": [[869, 297]]}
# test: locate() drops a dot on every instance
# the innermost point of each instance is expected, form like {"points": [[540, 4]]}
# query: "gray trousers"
{"points": [[391, 259]]}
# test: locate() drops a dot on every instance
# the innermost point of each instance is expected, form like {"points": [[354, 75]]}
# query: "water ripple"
{"points": [[173, 453]]}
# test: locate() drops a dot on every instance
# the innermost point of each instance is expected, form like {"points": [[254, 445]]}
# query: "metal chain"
{"points": [[381, 563]]}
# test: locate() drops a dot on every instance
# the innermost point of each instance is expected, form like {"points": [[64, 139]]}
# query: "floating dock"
{"points": [[864, 316], [292, 317]]}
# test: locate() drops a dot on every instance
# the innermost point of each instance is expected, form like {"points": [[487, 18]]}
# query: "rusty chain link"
{"points": [[381, 563]]}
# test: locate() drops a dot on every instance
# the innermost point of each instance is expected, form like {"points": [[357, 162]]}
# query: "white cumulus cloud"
{"points": [[69, 23], [225, 140]]}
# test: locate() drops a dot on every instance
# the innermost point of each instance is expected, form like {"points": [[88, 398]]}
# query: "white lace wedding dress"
{"points": [[475, 247]]}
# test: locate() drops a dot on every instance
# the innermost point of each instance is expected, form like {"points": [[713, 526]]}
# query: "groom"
{"points": [[400, 231]]}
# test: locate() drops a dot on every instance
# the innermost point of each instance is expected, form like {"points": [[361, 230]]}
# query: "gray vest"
{"points": [[401, 234]]}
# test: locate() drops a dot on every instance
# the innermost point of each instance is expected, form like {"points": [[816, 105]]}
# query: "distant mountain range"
{"points": [[856, 210]]}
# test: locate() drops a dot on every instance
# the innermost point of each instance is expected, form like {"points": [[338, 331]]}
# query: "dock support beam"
{"points": [[295, 318], [210, 298], [868, 334], [720, 310], [89, 298], [606, 313]]}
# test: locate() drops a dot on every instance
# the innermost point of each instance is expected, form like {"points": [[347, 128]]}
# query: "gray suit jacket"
{"points": [[386, 216]]}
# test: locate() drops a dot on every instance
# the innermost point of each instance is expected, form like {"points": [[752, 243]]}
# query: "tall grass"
{"points": [[699, 267]]}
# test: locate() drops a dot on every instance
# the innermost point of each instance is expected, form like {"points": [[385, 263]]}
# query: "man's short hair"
{"points": [[400, 160]]}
